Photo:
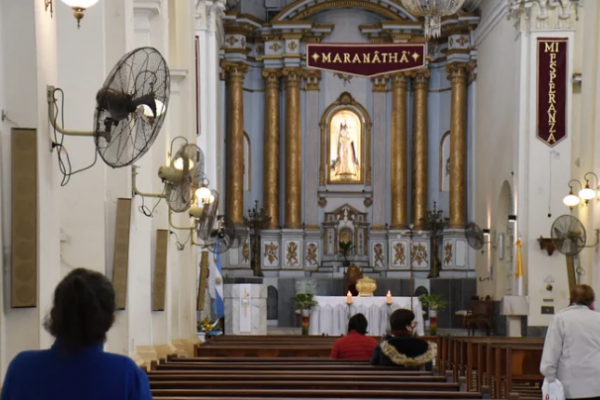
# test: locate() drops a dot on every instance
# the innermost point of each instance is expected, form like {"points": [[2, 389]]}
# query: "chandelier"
{"points": [[433, 11]]}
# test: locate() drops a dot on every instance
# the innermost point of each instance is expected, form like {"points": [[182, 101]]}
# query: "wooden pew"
{"points": [[276, 384], [155, 376], [515, 362], [269, 366], [320, 394]]}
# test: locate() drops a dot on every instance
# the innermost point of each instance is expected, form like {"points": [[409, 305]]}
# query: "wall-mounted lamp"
{"points": [[571, 200], [78, 6], [586, 193]]}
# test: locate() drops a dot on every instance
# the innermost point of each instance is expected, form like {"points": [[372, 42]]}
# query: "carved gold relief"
{"points": [[232, 40], [292, 253], [448, 253], [458, 74], [235, 141], [378, 255], [312, 77], [275, 47], [399, 254], [311, 254], [418, 254], [271, 147], [246, 252], [343, 168], [271, 252], [380, 84], [399, 144], [293, 150], [292, 45]]}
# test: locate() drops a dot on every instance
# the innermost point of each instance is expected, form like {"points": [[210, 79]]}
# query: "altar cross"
{"points": [[246, 302]]}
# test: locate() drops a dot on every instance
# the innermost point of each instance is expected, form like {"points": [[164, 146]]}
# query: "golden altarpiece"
{"points": [[340, 158]]}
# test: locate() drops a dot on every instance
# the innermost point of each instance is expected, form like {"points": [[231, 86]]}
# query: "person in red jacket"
{"points": [[356, 345]]}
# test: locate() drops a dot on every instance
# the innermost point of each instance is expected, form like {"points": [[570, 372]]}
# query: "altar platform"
{"points": [[331, 315]]}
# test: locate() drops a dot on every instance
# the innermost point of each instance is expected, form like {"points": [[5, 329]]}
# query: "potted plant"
{"points": [[345, 250], [207, 327], [435, 303], [304, 302]]}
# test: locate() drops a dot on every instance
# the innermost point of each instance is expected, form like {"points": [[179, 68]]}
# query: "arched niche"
{"points": [[345, 143]]}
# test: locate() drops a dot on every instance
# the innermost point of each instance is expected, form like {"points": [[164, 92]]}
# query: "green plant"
{"points": [[434, 302], [345, 249], [304, 301]]}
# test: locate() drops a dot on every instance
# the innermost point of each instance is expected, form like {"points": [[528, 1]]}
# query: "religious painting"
{"points": [[345, 147]]}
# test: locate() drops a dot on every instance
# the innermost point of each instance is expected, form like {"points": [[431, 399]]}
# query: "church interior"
{"points": [[252, 173]]}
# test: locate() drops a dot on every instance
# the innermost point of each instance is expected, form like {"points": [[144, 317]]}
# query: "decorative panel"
{"points": [[160, 270], [312, 254], [24, 283], [399, 254], [203, 281], [378, 254], [121, 256]]}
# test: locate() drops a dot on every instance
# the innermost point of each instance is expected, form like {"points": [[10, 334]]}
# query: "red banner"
{"points": [[365, 59], [552, 59]]}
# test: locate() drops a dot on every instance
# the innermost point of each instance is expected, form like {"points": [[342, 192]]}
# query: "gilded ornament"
{"points": [[292, 45], [293, 150], [366, 287], [231, 40], [311, 254], [292, 253], [246, 252], [344, 77], [419, 254], [271, 252], [322, 202], [399, 254], [420, 147], [378, 255], [275, 47], [462, 40], [271, 146], [448, 253], [399, 146], [380, 84], [368, 202], [312, 78]]}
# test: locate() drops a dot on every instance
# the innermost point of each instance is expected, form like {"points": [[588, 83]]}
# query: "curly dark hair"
{"points": [[83, 310]]}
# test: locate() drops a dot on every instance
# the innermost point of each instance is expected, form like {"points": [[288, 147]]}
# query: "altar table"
{"points": [[330, 316]]}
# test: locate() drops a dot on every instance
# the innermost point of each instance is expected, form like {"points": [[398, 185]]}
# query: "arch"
{"points": [[247, 162], [346, 103], [302, 9]]}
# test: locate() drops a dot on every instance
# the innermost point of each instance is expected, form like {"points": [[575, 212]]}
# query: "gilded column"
{"points": [[380, 146], [271, 146], [420, 148], [399, 140], [458, 75], [235, 141], [293, 150]]}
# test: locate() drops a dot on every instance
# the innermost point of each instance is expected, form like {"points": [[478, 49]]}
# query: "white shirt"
{"points": [[572, 352]]}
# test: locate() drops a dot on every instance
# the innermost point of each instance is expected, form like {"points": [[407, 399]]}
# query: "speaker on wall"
{"points": [[121, 256], [24, 178], [160, 270], [203, 281]]}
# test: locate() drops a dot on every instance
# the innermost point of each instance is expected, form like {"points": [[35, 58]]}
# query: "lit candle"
{"points": [[389, 297], [349, 298]]}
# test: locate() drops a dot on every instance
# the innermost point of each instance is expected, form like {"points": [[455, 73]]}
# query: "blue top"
{"points": [[89, 374]]}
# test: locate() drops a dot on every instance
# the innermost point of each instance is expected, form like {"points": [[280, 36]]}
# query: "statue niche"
{"points": [[345, 138], [346, 224]]}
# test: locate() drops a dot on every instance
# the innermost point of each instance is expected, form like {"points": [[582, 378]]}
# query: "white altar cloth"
{"points": [[330, 316]]}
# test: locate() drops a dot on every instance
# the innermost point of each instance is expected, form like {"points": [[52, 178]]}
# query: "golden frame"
{"points": [[346, 102]]}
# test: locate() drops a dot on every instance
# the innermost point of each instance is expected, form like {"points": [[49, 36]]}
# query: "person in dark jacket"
{"points": [[76, 367], [356, 345], [400, 347]]}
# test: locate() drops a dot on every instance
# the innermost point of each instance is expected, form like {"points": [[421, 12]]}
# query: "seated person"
{"points": [[356, 345], [401, 347]]}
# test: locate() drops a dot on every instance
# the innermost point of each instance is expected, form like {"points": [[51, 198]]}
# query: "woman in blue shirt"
{"points": [[76, 367]]}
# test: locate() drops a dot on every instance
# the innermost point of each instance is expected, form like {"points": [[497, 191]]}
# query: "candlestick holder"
{"points": [[349, 309]]}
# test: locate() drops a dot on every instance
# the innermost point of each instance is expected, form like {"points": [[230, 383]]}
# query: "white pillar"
{"points": [[536, 19], [27, 66]]}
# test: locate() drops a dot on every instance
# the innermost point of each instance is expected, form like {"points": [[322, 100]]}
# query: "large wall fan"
{"points": [[569, 238], [183, 178], [130, 110]]}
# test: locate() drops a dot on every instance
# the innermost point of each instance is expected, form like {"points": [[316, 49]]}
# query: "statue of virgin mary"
{"points": [[346, 163]]}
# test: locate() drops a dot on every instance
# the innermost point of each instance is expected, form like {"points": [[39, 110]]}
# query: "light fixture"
{"points": [[79, 7], [588, 193], [433, 11], [160, 109], [204, 196], [571, 200], [178, 164]]}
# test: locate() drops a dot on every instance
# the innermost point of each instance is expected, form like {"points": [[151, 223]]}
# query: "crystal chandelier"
{"points": [[433, 11]]}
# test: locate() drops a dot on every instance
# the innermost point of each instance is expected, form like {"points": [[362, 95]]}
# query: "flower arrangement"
{"points": [[304, 302]]}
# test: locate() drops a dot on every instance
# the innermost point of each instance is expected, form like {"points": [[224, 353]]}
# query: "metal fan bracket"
{"points": [[52, 116], [546, 244], [134, 188]]}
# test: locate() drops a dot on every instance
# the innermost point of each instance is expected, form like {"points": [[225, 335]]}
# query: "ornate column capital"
{"points": [[380, 83], [399, 80], [312, 78], [236, 70], [292, 75], [272, 75], [531, 15], [421, 77], [209, 15], [458, 71]]}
